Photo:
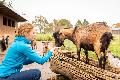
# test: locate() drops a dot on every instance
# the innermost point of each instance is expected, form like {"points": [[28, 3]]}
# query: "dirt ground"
{"points": [[45, 70]]}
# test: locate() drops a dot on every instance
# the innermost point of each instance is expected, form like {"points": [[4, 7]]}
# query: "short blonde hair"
{"points": [[24, 29]]}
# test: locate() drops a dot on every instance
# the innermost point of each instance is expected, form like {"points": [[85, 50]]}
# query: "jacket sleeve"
{"points": [[33, 55], [28, 61]]}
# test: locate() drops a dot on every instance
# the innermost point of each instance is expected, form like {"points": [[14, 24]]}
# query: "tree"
{"points": [[40, 22], [60, 24], [85, 22], [55, 25], [79, 23], [65, 23], [8, 3], [117, 25], [2, 1], [49, 29]]}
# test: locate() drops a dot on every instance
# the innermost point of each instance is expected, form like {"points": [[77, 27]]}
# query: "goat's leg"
{"points": [[87, 59], [104, 60], [100, 61], [97, 51], [78, 53]]}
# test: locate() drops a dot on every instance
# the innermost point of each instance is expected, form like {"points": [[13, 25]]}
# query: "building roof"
{"points": [[115, 28], [10, 12]]}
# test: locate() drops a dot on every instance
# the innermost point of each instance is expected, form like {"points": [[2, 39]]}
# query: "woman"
{"points": [[3, 46], [7, 41], [20, 53]]}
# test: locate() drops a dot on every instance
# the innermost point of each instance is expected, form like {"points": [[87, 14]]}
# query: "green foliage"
{"points": [[64, 22], [55, 22], [49, 28], [2, 1], [115, 45], [41, 22], [79, 23], [7, 2], [85, 22], [44, 37], [69, 45], [61, 24]]}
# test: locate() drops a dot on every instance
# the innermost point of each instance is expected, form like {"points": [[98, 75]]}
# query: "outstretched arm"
{"points": [[28, 61]]}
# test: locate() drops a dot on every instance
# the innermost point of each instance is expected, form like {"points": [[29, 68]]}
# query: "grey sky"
{"points": [[92, 10]]}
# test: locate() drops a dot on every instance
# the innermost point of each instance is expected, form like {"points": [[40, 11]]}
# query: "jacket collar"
{"points": [[22, 38]]}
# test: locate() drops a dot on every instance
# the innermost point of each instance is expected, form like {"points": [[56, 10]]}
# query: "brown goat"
{"points": [[95, 37], [34, 44], [45, 47]]}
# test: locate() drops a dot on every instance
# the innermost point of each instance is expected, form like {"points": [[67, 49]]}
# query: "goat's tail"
{"points": [[105, 40]]}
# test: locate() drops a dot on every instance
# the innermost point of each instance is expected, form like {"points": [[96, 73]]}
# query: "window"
{"points": [[4, 21], [13, 23], [9, 22]]}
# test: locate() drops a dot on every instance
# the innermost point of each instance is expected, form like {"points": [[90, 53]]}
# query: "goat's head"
{"points": [[59, 38], [45, 44], [61, 35]]}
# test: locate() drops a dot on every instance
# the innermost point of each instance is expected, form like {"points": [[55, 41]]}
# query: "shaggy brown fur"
{"points": [[95, 37]]}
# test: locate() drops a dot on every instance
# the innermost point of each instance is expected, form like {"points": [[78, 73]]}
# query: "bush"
{"points": [[69, 45], [44, 37]]}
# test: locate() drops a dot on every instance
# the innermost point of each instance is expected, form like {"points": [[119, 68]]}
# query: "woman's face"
{"points": [[32, 34]]}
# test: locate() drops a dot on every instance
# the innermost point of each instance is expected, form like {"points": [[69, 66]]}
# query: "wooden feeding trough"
{"points": [[78, 70]]}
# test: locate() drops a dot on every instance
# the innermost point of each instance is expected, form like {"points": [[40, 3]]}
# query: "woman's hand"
{"points": [[55, 50]]}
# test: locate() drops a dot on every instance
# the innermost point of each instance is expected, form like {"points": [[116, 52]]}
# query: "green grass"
{"points": [[114, 47]]}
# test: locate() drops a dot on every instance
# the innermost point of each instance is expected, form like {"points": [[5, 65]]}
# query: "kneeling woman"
{"points": [[20, 53]]}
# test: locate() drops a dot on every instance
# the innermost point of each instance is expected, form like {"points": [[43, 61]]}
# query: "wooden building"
{"points": [[116, 31], [9, 19]]}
